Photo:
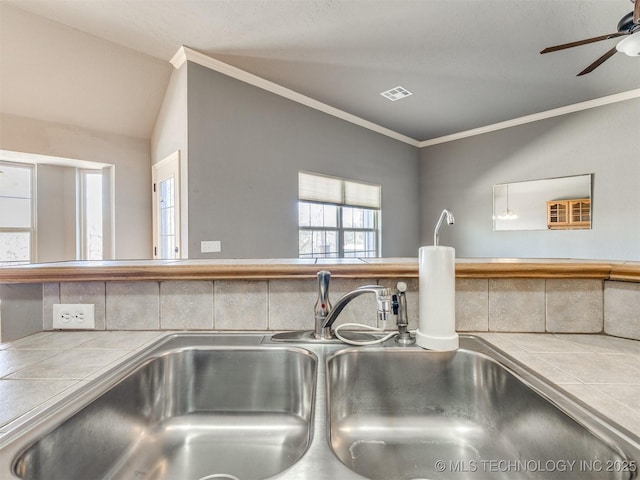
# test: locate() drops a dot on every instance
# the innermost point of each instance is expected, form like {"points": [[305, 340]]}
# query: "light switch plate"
{"points": [[210, 246]]}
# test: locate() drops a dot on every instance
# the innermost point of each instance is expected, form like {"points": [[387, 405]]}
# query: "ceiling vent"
{"points": [[396, 93]]}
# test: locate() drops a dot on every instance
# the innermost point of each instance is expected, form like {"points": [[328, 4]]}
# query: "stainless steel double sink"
{"points": [[218, 406]]}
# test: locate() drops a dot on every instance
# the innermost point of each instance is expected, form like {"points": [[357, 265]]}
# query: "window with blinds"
{"points": [[16, 213], [337, 218]]}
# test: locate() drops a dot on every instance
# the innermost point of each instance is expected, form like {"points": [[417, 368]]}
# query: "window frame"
{"points": [[339, 228], [82, 213], [31, 230]]}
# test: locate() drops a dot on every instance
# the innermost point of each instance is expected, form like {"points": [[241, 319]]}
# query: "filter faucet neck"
{"points": [[446, 214]]}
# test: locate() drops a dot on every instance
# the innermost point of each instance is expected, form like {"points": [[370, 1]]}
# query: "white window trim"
{"points": [[33, 253], [341, 192], [81, 211]]}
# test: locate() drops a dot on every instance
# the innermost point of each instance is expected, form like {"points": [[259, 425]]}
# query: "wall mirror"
{"points": [[562, 203]]}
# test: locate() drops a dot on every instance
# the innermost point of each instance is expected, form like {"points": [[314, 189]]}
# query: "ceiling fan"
{"points": [[628, 25]]}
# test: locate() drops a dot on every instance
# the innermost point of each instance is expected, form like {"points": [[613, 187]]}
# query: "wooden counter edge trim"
{"points": [[534, 270], [165, 272], [625, 273], [202, 272]]}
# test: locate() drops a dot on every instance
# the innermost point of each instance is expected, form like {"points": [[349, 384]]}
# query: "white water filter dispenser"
{"points": [[437, 293]]}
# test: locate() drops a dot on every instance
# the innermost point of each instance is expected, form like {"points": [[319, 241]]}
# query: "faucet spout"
{"points": [[383, 299], [446, 214]]}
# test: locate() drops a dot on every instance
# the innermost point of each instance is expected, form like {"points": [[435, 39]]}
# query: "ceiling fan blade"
{"points": [[636, 12], [598, 62], [584, 42]]}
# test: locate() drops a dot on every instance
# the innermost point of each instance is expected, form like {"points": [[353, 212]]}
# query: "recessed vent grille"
{"points": [[396, 93]]}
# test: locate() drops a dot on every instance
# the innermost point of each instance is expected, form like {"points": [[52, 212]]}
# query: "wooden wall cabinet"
{"points": [[569, 214]]}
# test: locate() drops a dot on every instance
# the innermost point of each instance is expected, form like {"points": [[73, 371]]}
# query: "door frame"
{"points": [[170, 163]]}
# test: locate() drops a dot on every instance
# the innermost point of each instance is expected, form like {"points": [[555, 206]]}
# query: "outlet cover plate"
{"points": [[75, 316], [210, 246]]}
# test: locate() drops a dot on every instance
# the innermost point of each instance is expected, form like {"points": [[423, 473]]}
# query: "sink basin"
{"points": [[407, 413], [238, 406], [184, 412]]}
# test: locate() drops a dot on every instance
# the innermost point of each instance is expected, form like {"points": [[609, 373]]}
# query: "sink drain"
{"points": [[222, 476]]}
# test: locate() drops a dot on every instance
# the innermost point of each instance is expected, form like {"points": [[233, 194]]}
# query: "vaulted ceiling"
{"points": [[467, 63]]}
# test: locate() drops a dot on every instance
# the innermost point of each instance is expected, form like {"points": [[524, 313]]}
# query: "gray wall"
{"points": [[246, 147], [603, 141], [169, 136]]}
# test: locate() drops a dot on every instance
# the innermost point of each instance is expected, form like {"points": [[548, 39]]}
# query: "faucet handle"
{"points": [[402, 320], [401, 288], [323, 306]]}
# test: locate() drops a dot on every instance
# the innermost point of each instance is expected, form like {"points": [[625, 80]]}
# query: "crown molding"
{"points": [[556, 112], [185, 54], [179, 59]]}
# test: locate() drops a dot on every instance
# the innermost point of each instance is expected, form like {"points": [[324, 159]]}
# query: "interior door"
{"points": [[166, 207]]}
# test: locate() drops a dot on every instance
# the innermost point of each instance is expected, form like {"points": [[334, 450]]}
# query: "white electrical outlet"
{"points": [[74, 316]]}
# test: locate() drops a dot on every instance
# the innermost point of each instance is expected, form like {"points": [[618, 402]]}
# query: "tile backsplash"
{"points": [[622, 309], [482, 305]]}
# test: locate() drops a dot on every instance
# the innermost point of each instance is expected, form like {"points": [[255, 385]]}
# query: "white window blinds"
{"points": [[321, 188]]}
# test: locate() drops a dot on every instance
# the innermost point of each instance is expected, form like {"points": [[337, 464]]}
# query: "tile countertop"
{"points": [[41, 369]]}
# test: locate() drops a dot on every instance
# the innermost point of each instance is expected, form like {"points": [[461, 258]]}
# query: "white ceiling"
{"points": [[468, 63]]}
